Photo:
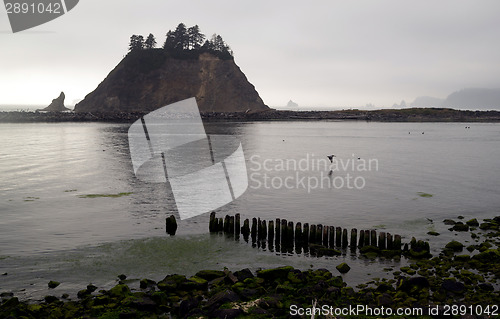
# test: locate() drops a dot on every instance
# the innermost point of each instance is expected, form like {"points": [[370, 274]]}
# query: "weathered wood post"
{"points": [[361, 243], [284, 233], [226, 224], [259, 230], [354, 238], [264, 230], [245, 230], [271, 235], [298, 234], [305, 236], [230, 227], [367, 238], [381, 240], [212, 225], [319, 234], [278, 234], [331, 236], [373, 239], [397, 242], [290, 236], [237, 226], [345, 243], [390, 246], [171, 225], [254, 230], [325, 236], [312, 234], [338, 236]]}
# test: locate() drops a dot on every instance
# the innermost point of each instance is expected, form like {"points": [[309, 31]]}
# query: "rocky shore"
{"points": [[454, 284], [388, 115]]}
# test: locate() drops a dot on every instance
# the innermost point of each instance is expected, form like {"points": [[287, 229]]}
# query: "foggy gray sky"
{"points": [[317, 53]]}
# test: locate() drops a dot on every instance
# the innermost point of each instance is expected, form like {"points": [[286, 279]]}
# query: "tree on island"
{"points": [[136, 43], [183, 40], [150, 42], [185, 43]]}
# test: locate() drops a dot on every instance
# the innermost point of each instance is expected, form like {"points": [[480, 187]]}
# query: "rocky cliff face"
{"points": [[148, 79], [57, 105]]}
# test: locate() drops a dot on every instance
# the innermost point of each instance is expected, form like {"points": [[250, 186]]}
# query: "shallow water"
{"points": [[49, 229]]}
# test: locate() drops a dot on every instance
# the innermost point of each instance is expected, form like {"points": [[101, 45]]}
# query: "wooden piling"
{"points": [[354, 238], [338, 237], [237, 226], [361, 243], [290, 237], [319, 234], [226, 224], [259, 229], [312, 234], [171, 225], [325, 236], [397, 242], [230, 227], [381, 241], [331, 237], [373, 238], [345, 243], [212, 225], [254, 230], [367, 238], [278, 232], [298, 234], [305, 238], [245, 230], [390, 246], [271, 231], [284, 232], [264, 231]]}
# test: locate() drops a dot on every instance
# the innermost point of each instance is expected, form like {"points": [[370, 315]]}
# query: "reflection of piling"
{"points": [[171, 225]]}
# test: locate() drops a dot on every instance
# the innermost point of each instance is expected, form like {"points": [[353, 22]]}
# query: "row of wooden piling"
{"points": [[288, 235]]}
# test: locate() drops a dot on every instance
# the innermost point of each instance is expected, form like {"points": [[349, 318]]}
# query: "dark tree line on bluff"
{"points": [[184, 43]]}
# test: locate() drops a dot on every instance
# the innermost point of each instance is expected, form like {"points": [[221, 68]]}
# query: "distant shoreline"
{"points": [[384, 115]]}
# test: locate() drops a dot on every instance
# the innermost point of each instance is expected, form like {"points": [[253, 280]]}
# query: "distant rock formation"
{"points": [[474, 98], [146, 80], [291, 104], [57, 105], [427, 101], [402, 105], [466, 99]]}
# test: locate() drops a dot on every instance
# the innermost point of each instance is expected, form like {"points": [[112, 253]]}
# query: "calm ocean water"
{"points": [[49, 229]]}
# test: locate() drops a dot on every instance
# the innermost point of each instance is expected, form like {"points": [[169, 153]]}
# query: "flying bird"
{"points": [[330, 157]]}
